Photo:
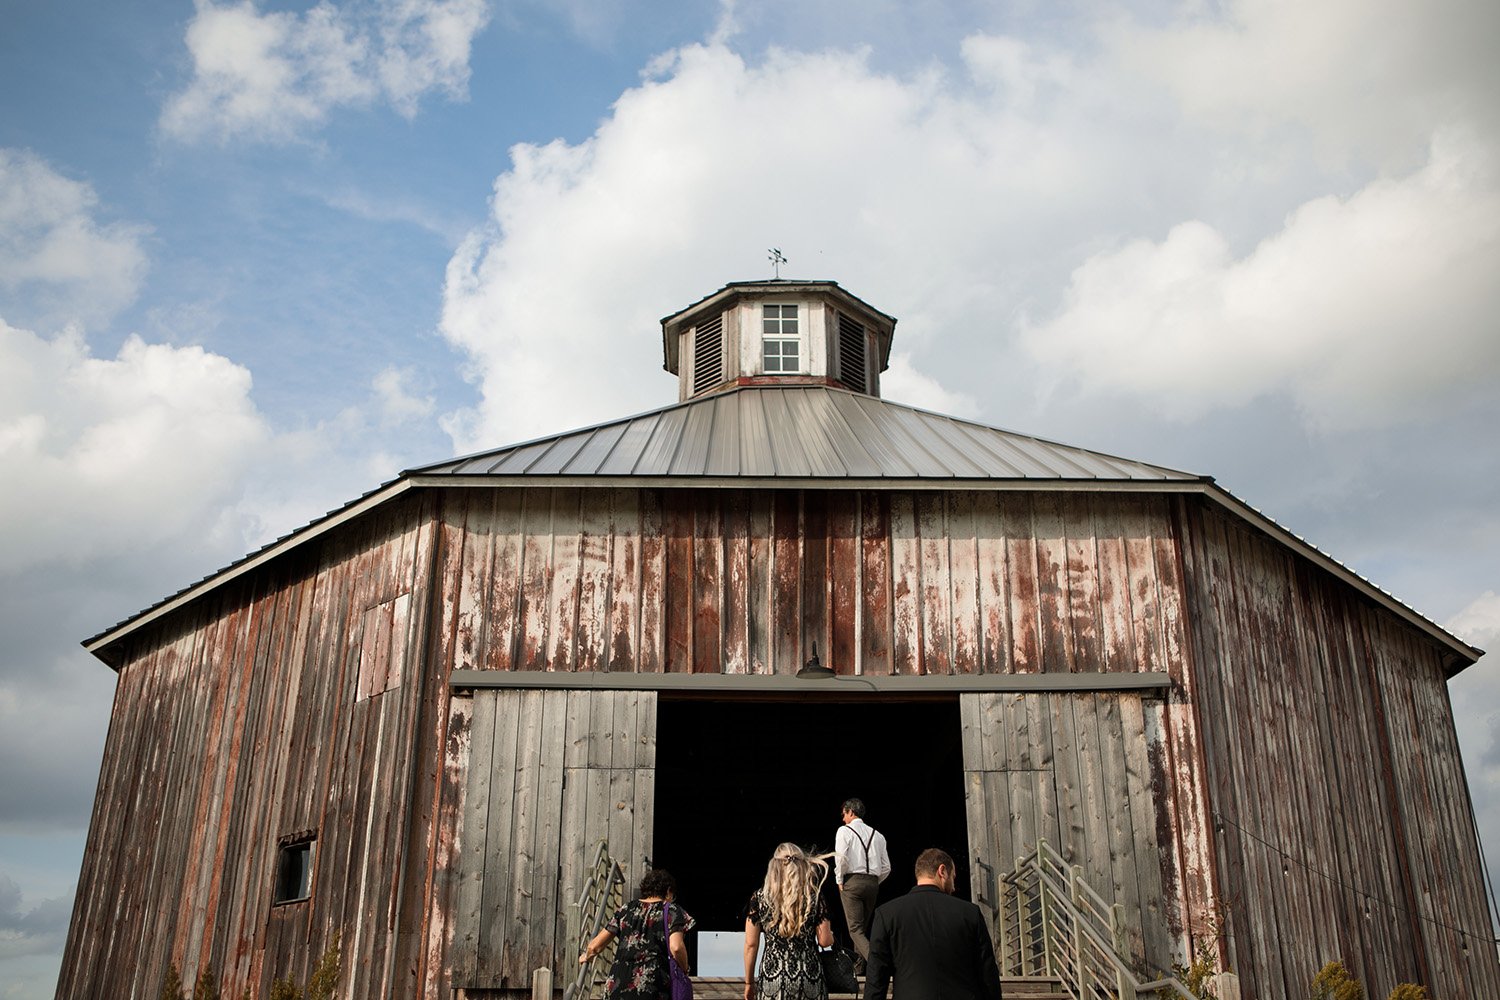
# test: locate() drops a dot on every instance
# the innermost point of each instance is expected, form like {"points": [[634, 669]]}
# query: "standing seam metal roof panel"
{"points": [[817, 432]]}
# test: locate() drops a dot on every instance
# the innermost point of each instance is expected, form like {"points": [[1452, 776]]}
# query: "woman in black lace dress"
{"points": [[787, 912], [640, 970]]}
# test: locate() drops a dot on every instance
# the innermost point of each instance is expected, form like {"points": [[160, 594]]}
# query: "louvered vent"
{"points": [[708, 354], [852, 353]]}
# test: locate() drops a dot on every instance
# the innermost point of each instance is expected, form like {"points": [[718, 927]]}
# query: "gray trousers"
{"points": [[858, 896]]}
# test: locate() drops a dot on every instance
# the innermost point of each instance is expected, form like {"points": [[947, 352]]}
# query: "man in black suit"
{"points": [[936, 945]]}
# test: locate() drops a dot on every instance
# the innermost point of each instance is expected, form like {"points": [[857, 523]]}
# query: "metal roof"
{"points": [[800, 433]]}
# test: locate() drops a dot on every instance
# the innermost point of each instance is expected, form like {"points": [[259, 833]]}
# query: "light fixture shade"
{"points": [[813, 670]]}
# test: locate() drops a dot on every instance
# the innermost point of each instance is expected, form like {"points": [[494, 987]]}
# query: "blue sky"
{"points": [[256, 258]]}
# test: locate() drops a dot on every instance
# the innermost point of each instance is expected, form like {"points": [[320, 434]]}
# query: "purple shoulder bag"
{"points": [[682, 986]]}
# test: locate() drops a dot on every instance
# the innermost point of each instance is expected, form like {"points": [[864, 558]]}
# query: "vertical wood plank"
{"points": [[563, 602], [906, 593], [595, 630], [1021, 561], [935, 589], [677, 603], [785, 620], [707, 574], [992, 596], [963, 572], [653, 650], [844, 581], [738, 585], [760, 606], [506, 605], [876, 651], [813, 619], [624, 594]]}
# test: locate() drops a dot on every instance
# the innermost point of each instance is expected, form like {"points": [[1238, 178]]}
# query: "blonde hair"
{"points": [[790, 893]]}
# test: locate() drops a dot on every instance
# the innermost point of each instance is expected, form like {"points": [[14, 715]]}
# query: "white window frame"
{"points": [[773, 331]]}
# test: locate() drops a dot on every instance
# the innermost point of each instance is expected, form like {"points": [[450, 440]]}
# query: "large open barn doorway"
{"points": [[734, 779]]}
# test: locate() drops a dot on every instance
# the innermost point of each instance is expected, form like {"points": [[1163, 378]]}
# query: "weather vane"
{"points": [[776, 259]]}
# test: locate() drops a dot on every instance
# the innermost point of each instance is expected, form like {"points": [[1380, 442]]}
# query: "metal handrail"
{"points": [[602, 893], [1052, 922]]}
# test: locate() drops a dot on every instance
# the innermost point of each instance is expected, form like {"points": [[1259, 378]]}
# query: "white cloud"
{"points": [[1371, 75], [1479, 623], [960, 198], [104, 455], [901, 381], [924, 188], [395, 401], [1476, 710], [54, 253], [275, 75], [1368, 310]]}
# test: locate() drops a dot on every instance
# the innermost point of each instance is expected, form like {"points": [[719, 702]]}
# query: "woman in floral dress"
{"points": [[787, 911], [640, 970]]}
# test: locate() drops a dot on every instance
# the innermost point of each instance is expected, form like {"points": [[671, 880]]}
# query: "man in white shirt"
{"points": [[860, 865]]}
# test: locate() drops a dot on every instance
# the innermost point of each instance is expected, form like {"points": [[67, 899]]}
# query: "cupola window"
{"points": [[781, 343]]}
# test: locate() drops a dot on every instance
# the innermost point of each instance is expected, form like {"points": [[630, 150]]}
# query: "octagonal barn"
{"points": [[409, 723]]}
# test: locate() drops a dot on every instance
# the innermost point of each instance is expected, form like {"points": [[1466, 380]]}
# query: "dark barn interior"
{"points": [[734, 779]]}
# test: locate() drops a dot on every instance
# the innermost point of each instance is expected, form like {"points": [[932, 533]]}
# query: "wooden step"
{"points": [[733, 988], [1033, 987], [1030, 987]]}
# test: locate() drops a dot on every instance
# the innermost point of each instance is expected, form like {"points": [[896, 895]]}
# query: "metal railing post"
{"points": [[1023, 922], [1076, 898], [1002, 892], [1048, 958], [1124, 986]]}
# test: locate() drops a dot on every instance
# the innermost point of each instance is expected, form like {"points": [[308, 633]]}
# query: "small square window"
{"points": [[782, 356], [779, 321], [781, 348], [294, 864]]}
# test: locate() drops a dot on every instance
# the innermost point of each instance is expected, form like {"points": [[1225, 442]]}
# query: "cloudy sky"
{"points": [[257, 257]]}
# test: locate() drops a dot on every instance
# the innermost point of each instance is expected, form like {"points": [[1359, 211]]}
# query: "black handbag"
{"points": [[838, 970]]}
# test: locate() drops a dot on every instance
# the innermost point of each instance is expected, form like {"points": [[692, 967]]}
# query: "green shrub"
{"points": [[285, 989], [171, 984], [325, 978], [1334, 982], [207, 987], [1409, 991]]}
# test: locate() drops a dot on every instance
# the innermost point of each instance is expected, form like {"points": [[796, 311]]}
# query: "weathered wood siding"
{"points": [[551, 773], [1343, 816], [721, 581], [286, 704], [313, 695], [711, 581], [1074, 770]]}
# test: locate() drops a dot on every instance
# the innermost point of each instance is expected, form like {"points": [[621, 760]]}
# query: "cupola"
{"points": [[780, 332]]}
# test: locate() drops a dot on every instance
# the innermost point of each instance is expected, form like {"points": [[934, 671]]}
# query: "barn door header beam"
{"points": [[781, 684]]}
